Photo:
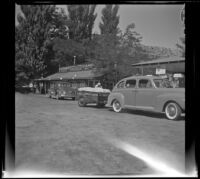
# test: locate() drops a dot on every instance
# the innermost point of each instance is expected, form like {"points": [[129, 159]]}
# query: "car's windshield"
{"points": [[64, 85]]}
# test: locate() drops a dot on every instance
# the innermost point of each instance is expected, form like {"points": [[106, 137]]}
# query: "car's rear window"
{"points": [[145, 83], [131, 83]]}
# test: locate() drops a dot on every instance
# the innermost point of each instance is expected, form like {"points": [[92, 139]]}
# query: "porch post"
{"points": [[142, 71]]}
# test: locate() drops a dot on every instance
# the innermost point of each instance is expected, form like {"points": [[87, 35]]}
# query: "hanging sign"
{"points": [[160, 71]]}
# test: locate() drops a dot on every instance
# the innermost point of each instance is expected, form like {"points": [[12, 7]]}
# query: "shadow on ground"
{"points": [[146, 113], [94, 106]]}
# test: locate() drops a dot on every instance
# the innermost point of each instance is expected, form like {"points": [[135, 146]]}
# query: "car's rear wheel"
{"points": [[116, 105], [172, 111], [81, 102]]}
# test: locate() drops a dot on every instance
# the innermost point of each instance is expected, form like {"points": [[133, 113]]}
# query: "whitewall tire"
{"points": [[172, 111], [116, 105]]}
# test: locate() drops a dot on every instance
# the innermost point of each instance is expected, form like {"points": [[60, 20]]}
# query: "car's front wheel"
{"points": [[172, 111], [116, 105], [81, 102]]}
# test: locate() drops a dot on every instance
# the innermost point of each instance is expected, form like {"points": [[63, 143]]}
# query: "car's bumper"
{"points": [[183, 114], [67, 96]]}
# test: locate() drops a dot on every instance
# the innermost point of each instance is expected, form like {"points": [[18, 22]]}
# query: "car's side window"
{"points": [[121, 84], [145, 83], [131, 83]]}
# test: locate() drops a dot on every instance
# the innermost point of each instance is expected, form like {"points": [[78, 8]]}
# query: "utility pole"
{"points": [[142, 70], [115, 66]]}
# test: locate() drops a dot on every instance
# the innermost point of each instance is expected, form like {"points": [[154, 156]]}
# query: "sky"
{"points": [[159, 25]]}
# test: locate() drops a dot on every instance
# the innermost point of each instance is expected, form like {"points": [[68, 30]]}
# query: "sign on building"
{"points": [[178, 75], [160, 71]]}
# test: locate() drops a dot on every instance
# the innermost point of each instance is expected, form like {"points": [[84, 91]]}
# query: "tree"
{"points": [[66, 50], [59, 24], [80, 21], [109, 58], [33, 39], [117, 50], [113, 54], [103, 49], [110, 20], [181, 46], [131, 43], [130, 37]]}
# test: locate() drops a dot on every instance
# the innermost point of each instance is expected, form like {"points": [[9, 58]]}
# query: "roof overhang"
{"points": [[170, 60], [73, 75], [170, 64]]}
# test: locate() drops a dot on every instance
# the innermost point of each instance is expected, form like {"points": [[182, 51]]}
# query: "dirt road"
{"points": [[59, 136]]}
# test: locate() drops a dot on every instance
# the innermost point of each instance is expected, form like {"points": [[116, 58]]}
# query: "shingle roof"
{"points": [[158, 61], [73, 75]]}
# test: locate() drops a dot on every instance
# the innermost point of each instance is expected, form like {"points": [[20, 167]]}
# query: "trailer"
{"points": [[88, 95]]}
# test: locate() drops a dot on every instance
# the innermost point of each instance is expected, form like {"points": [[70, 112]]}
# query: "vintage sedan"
{"points": [[150, 93], [61, 90]]}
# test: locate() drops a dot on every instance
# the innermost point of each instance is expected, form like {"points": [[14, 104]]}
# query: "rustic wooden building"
{"points": [[77, 76]]}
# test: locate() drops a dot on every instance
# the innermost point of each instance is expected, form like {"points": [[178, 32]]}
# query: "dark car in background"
{"points": [[61, 90], [23, 88]]}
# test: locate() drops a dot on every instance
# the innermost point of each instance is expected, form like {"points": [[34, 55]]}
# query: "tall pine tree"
{"points": [[110, 20], [33, 36], [80, 21], [105, 49]]}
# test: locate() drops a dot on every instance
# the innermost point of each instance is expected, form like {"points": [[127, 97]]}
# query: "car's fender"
{"points": [[118, 96], [161, 100]]}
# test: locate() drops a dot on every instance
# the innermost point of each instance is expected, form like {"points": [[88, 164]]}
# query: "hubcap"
{"points": [[171, 110], [117, 106]]}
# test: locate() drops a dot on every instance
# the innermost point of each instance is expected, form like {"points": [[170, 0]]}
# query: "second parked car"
{"points": [[61, 90], [150, 93]]}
